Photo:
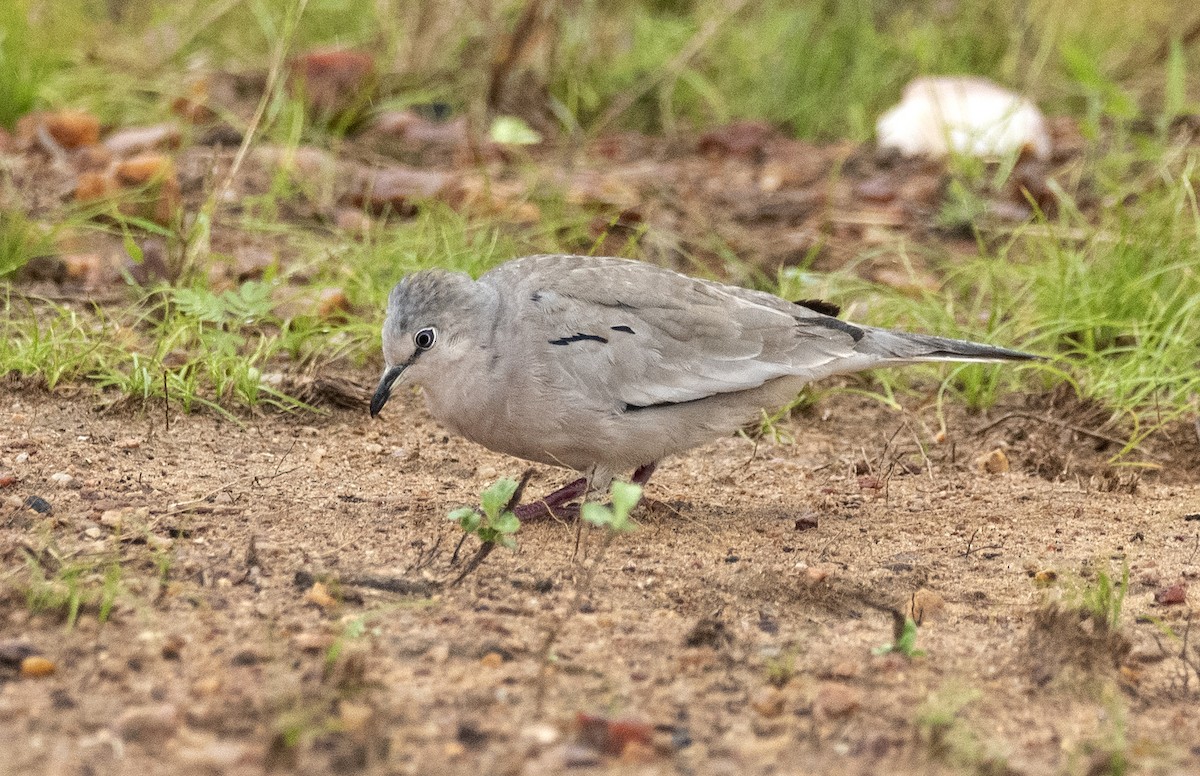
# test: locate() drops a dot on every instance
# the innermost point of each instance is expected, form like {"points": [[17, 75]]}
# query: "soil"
{"points": [[190, 594], [283, 600]]}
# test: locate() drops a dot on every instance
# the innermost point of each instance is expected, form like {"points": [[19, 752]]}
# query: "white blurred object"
{"points": [[964, 115]]}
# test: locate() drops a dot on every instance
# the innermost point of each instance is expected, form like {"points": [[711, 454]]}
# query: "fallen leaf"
{"points": [[72, 128], [332, 302], [398, 189], [741, 138], [143, 169], [333, 80], [92, 186]]}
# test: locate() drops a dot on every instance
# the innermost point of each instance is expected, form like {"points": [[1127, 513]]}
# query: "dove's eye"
{"points": [[425, 338]]}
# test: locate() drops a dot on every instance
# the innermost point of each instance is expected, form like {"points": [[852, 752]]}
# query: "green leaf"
{"points": [[625, 496], [131, 247], [460, 514], [507, 523], [496, 498], [905, 645], [510, 130], [468, 518], [597, 514]]}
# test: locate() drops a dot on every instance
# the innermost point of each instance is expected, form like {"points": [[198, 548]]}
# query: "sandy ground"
{"points": [[732, 633]]}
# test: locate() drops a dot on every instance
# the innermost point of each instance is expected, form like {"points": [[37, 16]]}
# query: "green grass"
{"points": [[26, 60], [1112, 299], [1105, 597], [21, 240], [942, 725], [69, 588], [200, 348]]}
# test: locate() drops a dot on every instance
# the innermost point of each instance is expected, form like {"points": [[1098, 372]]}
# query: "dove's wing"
{"points": [[632, 335]]}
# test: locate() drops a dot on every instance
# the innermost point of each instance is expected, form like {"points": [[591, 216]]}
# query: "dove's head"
{"points": [[433, 321]]}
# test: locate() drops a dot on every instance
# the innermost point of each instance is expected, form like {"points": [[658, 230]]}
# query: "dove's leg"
{"points": [[558, 503], [644, 473], [554, 504]]}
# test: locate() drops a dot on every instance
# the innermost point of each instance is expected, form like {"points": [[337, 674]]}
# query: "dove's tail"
{"points": [[894, 347]]}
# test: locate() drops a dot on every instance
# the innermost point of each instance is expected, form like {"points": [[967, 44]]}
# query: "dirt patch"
{"points": [[732, 633]]}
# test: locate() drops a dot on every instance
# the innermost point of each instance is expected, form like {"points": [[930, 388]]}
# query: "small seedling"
{"points": [[625, 496], [493, 522], [781, 668], [905, 642], [354, 629], [1106, 597]]}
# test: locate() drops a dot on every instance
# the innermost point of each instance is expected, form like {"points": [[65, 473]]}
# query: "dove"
{"points": [[606, 365]]}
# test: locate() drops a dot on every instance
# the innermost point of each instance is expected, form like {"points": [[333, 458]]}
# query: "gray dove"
{"points": [[606, 365]]}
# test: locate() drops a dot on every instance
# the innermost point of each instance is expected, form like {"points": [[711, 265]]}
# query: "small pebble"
{"points": [[39, 505], [580, 756], [354, 716], [319, 595], [1173, 595], [21, 458], [925, 605], [815, 575], [637, 752], [36, 666], [214, 757], [846, 669], [768, 702], [541, 734], [492, 660], [209, 685], [352, 220], [995, 462], [172, 648], [836, 700]]}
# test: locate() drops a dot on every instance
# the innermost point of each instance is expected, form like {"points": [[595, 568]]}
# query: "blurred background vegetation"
{"points": [[824, 68]]}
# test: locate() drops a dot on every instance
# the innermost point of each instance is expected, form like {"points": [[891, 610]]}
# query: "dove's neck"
{"points": [[467, 389]]}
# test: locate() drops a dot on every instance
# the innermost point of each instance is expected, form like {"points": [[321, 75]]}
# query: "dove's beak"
{"points": [[384, 391]]}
